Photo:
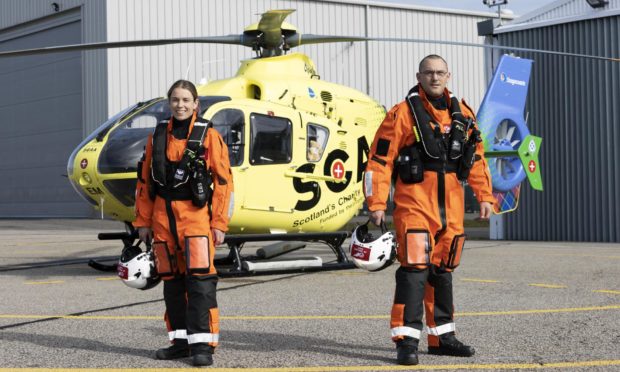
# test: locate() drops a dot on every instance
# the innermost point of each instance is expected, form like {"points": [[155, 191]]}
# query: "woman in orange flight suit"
{"points": [[185, 234], [429, 214]]}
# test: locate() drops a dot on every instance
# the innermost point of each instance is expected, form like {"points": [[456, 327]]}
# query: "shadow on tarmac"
{"points": [[261, 342]]}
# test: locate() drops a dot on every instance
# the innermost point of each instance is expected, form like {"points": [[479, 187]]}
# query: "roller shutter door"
{"points": [[40, 121]]}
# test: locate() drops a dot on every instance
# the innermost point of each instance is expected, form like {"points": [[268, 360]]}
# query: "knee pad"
{"points": [[198, 256], [456, 249], [416, 251], [165, 260]]}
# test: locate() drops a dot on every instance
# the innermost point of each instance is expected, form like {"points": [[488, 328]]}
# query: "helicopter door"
{"points": [[270, 156]]}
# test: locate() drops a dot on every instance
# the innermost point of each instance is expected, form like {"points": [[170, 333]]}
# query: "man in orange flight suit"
{"points": [[431, 141], [184, 222]]}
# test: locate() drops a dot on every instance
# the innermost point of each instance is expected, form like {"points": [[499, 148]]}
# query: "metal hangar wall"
{"points": [[573, 104]]}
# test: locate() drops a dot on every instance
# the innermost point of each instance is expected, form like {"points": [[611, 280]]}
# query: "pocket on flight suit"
{"points": [[197, 255], [165, 261], [417, 249], [456, 249]]}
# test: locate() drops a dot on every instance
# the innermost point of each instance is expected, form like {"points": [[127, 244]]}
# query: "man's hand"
{"points": [[485, 210], [218, 236], [377, 216], [145, 234]]}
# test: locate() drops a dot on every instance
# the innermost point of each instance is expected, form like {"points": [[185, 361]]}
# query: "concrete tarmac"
{"points": [[522, 305]]}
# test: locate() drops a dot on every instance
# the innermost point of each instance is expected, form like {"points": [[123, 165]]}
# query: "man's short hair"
{"points": [[430, 56]]}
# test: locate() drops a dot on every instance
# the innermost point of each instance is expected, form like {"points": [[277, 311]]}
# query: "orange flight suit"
{"points": [[182, 239], [428, 218]]}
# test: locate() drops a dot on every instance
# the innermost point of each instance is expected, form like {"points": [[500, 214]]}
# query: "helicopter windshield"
{"points": [[125, 144], [102, 130]]}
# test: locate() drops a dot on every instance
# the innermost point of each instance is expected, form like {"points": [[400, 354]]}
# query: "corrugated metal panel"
{"points": [[15, 12], [95, 69], [40, 110], [573, 105], [394, 65], [141, 73], [569, 9], [24, 17]]}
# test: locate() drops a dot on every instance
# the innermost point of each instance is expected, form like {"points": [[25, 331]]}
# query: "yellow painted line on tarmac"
{"points": [[303, 317], [48, 282], [311, 317], [349, 273], [479, 280], [108, 278], [579, 255], [85, 317], [479, 366], [542, 285], [606, 291], [542, 311]]}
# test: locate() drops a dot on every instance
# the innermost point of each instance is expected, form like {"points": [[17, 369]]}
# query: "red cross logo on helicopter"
{"points": [[338, 170]]}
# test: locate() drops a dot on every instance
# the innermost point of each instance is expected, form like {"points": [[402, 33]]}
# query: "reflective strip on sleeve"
{"points": [[368, 183], [406, 331], [179, 333], [436, 331], [231, 205], [203, 337]]}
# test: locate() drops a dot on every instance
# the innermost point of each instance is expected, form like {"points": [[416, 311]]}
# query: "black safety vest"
{"points": [[170, 179], [434, 146]]}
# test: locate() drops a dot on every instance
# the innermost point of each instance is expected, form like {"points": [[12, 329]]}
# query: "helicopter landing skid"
{"points": [[236, 265]]}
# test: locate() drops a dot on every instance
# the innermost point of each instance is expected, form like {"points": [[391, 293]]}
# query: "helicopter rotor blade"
{"points": [[298, 39], [488, 46], [229, 39], [271, 38], [303, 39]]}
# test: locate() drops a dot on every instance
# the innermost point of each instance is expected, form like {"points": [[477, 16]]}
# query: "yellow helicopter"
{"points": [[298, 145]]}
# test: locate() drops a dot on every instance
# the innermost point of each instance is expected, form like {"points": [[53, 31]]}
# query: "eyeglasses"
{"points": [[430, 73]]}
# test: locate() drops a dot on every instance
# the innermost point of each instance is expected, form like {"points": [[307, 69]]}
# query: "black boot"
{"points": [[179, 349], [202, 354], [449, 345], [407, 351]]}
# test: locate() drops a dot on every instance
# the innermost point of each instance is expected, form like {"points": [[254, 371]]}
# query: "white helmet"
{"points": [[369, 253], [137, 269]]}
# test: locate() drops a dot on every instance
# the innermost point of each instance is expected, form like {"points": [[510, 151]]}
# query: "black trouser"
{"points": [[189, 301], [413, 286]]}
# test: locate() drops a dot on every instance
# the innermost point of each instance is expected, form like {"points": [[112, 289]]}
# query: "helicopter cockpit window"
{"points": [[316, 142], [230, 124], [149, 117], [142, 121], [271, 140]]}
